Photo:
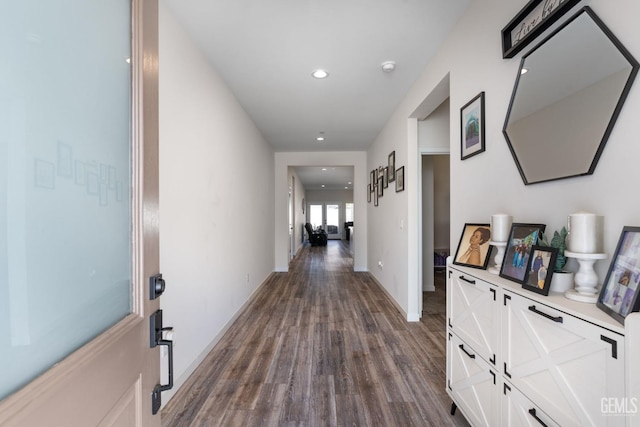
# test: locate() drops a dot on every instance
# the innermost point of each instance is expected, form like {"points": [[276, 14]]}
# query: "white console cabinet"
{"points": [[517, 358]]}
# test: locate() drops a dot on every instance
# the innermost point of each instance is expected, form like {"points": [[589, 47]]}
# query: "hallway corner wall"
{"points": [[216, 203]]}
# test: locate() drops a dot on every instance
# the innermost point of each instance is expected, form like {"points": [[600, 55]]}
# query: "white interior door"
{"points": [[78, 212]]}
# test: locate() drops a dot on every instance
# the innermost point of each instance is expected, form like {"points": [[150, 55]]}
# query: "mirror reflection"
{"points": [[566, 99]]}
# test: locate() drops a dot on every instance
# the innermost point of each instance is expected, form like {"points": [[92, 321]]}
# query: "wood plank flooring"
{"points": [[321, 346]]}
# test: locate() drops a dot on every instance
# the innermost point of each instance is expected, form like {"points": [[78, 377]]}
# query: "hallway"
{"points": [[320, 345]]}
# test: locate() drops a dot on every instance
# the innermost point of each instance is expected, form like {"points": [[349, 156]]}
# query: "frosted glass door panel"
{"points": [[65, 226]]}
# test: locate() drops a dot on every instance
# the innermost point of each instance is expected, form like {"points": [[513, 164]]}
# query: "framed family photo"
{"points": [[400, 179], [540, 269], [516, 257], [473, 248], [391, 164], [619, 294], [472, 127]]}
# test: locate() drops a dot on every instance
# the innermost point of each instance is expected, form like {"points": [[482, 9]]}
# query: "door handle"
{"points": [[156, 329]]}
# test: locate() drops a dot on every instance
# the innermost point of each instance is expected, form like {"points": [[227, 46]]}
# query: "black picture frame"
{"points": [[373, 178], [467, 252], [385, 177], [535, 17], [619, 293], [369, 191], [391, 166], [400, 179], [540, 269], [375, 195], [380, 187], [522, 238], [472, 127]]}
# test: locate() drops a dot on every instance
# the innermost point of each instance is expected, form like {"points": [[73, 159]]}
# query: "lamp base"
{"points": [[495, 269], [586, 279], [574, 295]]}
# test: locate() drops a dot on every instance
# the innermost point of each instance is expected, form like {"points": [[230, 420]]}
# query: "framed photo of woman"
{"points": [[474, 249]]}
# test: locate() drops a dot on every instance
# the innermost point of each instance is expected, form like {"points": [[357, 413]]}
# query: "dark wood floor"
{"points": [[322, 346]]}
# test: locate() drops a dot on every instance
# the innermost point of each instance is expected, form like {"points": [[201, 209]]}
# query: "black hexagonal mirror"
{"points": [[567, 96]]}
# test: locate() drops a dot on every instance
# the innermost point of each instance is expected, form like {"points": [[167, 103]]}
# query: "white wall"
{"points": [[471, 57], [283, 161], [216, 199]]}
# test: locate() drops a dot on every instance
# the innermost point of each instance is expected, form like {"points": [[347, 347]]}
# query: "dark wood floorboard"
{"points": [[322, 346]]}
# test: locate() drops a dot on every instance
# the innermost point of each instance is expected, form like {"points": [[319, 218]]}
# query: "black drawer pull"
{"points": [[472, 356], [473, 282], [532, 412], [548, 316]]}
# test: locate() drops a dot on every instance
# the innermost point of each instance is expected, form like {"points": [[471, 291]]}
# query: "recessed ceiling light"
{"points": [[524, 71], [320, 74], [322, 185], [320, 138], [349, 183], [346, 188], [324, 169]]}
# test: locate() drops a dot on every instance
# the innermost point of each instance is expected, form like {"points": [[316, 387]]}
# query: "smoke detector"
{"points": [[388, 66]]}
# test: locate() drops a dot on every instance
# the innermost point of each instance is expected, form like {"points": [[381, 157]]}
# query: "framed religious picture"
{"points": [[472, 127], [518, 251]]}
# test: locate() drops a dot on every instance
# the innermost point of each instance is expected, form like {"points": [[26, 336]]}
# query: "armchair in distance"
{"points": [[316, 237]]}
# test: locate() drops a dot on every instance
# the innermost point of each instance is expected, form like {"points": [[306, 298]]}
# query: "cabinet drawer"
{"points": [[473, 313], [565, 365], [519, 411], [472, 383]]}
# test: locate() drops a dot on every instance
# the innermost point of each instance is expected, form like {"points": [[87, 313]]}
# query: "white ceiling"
{"points": [[265, 50], [326, 177]]}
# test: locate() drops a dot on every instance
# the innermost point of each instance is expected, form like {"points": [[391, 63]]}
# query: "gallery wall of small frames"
{"points": [[380, 178]]}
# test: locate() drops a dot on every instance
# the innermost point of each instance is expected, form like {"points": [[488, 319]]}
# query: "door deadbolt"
{"points": [[156, 286]]}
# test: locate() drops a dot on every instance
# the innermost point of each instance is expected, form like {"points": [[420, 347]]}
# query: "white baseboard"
{"points": [[411, 317]]}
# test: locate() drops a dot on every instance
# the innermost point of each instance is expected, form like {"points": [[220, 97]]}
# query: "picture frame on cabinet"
{"points": [[619, 293], [522, 238], [391, 166], [472, 127], [400, 179], [474, 249], [540, 269]]}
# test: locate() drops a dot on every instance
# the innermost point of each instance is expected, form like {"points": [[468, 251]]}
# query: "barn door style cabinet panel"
{"points": [[516, 358]]}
